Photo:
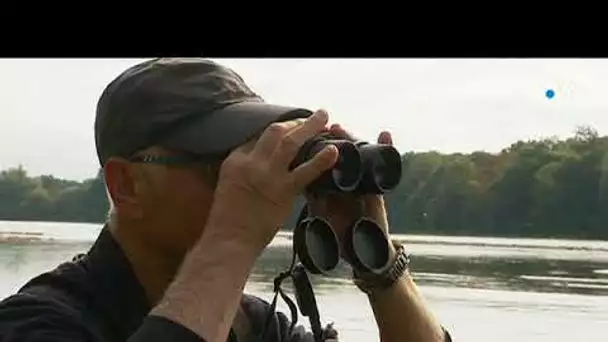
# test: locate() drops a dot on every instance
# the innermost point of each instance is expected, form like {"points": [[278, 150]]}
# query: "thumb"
{"points": [[385, 138]]}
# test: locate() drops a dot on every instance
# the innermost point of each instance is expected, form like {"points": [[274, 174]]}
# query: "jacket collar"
{"points": [[119, 297]]}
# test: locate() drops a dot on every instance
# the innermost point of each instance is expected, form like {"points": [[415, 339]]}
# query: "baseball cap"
{"points": [[188, 104]]}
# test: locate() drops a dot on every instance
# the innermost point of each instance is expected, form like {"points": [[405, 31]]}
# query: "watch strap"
{"points": [[372, 282]]}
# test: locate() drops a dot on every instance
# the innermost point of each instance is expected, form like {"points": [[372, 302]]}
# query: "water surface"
{"points": [[482, 289]]}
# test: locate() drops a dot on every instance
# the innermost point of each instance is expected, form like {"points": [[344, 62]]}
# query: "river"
{"points": [[482, 289]]}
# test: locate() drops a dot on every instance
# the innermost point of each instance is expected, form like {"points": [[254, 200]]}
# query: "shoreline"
{"points": [[60, 232]]}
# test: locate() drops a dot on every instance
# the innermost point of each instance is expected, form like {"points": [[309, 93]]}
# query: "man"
{"points": [[197, 170]]}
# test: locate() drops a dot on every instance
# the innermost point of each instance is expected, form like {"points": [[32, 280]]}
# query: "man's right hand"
{"points": [[254, 196], [256, 189]]}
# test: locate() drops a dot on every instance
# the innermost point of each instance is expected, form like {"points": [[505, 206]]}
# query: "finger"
{"points": [[293, 141], [312, 169], [247, 146], [339, 131], [385, 138], [273, 134]]}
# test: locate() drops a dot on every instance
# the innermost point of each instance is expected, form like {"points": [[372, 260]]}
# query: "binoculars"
{"points": [[362, 168]]}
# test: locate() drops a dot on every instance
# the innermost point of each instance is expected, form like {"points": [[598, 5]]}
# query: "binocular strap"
{"points": [[305, 298]]}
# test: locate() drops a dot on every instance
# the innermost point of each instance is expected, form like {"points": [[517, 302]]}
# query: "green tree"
{"points": [[542, 188]]}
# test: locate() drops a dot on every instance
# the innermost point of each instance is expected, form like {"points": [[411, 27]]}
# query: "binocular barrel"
{"points": [[361, 168]]}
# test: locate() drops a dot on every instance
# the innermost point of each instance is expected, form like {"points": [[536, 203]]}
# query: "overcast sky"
{"points": [[47, 107]]}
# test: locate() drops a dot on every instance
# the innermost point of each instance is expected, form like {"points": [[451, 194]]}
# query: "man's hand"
{"points": [[256, 190], [342, 210], [254, 196], [400, 311]]}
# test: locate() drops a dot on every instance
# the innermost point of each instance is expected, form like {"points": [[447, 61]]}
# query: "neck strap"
{"points": [[305, 298]]}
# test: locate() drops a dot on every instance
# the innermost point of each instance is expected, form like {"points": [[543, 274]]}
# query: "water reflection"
{"points": [[488, 272], [506, 271], [546, 290]]}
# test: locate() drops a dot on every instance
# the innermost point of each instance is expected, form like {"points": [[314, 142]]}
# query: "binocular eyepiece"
{"points": [[362, 168]]}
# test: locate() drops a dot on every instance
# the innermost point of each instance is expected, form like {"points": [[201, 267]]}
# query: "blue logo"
{"points": [[550, 93]]}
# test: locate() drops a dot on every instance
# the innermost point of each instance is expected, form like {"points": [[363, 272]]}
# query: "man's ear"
{"points": [[121, 185]]}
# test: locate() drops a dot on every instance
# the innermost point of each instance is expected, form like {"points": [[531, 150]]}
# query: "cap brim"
{"points": [[230, 127]]}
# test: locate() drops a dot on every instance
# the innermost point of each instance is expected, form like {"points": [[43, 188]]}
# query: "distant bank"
{"points": [[537, 188]]}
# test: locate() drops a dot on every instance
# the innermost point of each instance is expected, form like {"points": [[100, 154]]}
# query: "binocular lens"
{"points": [[388, 168], [381, 168], [368, 246], [317, 245], [347, 171]]}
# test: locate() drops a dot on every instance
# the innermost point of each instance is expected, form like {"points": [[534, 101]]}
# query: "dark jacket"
{"points": [[96, 297]]}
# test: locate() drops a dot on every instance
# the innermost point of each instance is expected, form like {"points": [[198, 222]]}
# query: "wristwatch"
{"points": [[370, 283]]}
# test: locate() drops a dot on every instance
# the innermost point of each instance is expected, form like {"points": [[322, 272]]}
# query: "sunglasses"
{"points": [[179, 160]]}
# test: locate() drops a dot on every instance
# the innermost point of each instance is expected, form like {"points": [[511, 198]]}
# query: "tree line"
{"points": [[535, 188]]}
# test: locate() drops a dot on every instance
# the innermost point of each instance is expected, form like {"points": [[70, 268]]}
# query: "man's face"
{"points": [[166, 206]]}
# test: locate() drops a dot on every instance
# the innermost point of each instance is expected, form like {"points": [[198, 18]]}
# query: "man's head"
{"points": [[162, 130]]}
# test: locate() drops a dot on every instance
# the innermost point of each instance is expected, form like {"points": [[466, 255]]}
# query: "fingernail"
{"points": [[385, 137], [321, 114], [330, 151]]}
